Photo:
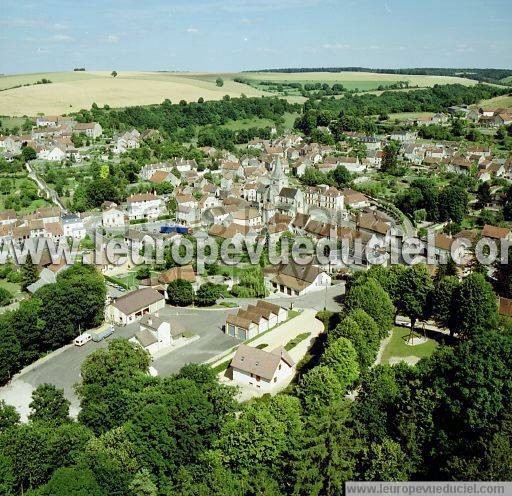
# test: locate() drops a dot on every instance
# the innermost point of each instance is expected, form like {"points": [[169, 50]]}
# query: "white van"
{"points": [[82, 339]]}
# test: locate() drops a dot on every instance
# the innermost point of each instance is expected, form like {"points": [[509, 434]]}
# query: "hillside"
{"points": [[72, 91]]}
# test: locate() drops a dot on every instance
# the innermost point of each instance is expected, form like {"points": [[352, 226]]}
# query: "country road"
{"points": [[49, 193]]}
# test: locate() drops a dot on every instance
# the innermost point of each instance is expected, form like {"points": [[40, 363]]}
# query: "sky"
{"points": [[235, 35]]}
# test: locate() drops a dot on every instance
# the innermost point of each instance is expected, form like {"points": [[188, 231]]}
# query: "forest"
{"points": [[173, 117]]}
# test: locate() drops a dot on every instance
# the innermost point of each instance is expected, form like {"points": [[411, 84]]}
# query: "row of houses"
{"points": [[255, 319], [47, 222]]}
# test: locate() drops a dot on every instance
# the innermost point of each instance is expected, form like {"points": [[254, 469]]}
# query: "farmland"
{"points": [[363, 81], [72, 91]]}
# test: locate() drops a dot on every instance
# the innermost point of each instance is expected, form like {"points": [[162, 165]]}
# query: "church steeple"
{"points": [[277, 172]]}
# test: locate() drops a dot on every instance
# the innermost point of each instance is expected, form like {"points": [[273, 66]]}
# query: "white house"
{"points": [[73, 226], [144, 206], [261, 369], [53, 154], [132, 306], [47, 121], [296, 280], [156, 334], [249, 217], [113, 217], [90, 129]]}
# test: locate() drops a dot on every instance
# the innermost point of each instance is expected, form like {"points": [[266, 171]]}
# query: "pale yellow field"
{"points": [[72, 91], [356, 76], [79, 90]]}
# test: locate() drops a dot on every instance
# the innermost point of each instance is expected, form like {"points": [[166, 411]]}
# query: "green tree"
{"points": [[10, 349], [219, 82], [386, 461], [417, 287], [113, 74], [454, 201], [180, 293], [9, 417], [28, 153], [342, 358], [208, 294], [390, 157], [475, 307], [328, 452], [72, 481], [29, 273], [484, 194], [443, 301], [256, 440], [320, 386], [143, 485], [370, 297], [112, 459], [49, 404], [107, 375], [76, 300], [363, 332], [341, 176]]}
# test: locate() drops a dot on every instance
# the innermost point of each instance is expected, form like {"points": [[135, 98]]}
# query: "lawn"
{"points": [[397, 346], [11, 122], [404, 116]]}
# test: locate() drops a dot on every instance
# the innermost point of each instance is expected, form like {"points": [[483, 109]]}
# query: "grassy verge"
{"points": [[221, 367], [296, 340]]}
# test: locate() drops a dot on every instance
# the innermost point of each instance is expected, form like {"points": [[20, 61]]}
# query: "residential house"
{"points": [[296, 280], [261, 369], [156, 334], [291, 200], [73, 226], [113, 217], [495, 233], [144, 206], [90, 129], [132, 306], [248, 217]]}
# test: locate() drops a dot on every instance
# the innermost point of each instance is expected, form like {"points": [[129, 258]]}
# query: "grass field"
{"points": [[397, 347], [404, 116], [72, 91], [497, 102], [289, 119], [11, 122]]}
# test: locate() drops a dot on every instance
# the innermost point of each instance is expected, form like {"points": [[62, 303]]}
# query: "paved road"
{"points": [[62, 368]]}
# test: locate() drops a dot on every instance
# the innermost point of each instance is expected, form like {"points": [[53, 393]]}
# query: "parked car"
{"points": [[102, 332], [82, 339]]}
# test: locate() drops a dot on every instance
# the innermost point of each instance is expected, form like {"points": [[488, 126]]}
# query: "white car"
{"points": [[82, 339]]}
